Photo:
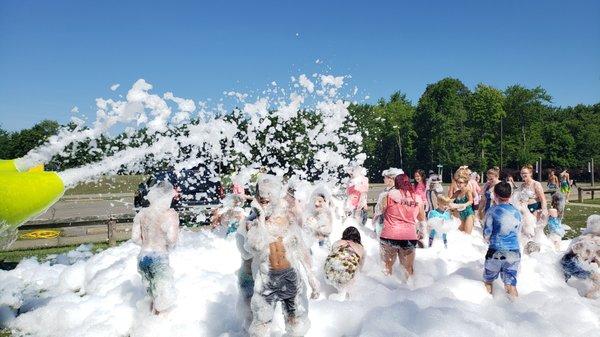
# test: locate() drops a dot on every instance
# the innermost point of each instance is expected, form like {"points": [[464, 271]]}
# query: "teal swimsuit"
{"points": [[464, 214], [564, 186]]}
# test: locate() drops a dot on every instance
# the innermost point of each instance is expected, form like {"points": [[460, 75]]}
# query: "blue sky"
{"points": [[58, 54]]}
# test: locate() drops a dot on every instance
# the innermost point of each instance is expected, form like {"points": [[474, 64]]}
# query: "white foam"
{"points": [[265, 131], [104, 296]]}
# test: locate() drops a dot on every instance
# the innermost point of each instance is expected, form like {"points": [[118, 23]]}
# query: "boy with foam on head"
{"points": [[582, 260], [280, 262], [501, 228], [156, 229]]}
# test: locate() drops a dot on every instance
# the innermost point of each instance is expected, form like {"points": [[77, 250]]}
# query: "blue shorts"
{"points": [[503, 263], [246, 283], [554, 227], [572, 267], [156, 273]]}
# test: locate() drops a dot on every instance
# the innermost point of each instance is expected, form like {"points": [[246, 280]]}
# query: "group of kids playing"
{"points": [[275, 237]]}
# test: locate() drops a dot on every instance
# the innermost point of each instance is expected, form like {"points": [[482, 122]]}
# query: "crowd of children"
{"points": [[275, 237]]}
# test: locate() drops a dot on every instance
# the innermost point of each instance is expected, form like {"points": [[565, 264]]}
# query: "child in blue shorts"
{"points": [[582, 259], [501, 228]]}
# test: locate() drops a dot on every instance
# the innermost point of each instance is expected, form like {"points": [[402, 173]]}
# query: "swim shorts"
{"points": [[572, 267], [503, 263], [282, 286]]}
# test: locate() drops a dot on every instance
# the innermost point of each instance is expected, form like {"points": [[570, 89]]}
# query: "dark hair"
{"points": [[503, 190], [504, 175], [351, 234], [422, 174], [322, 195], [402, 182]]}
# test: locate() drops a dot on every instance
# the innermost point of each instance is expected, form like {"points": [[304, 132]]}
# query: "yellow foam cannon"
{"points": [[24, 195], [11, 166], [8, 165]]}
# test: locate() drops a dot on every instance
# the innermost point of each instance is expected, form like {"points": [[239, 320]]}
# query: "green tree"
{"points": [[5, 140], [486, 109], [559, 149], [526, 112], [583, 124], [27, 139], [395, 145], [370, 127], [443, 135]]}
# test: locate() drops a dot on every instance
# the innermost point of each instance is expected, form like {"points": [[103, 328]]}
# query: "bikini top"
{"points": [[527, 191], [461, 200]]}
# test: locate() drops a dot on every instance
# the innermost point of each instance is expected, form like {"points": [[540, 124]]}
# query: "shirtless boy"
{"points": [[156, 229], [280, 260]]}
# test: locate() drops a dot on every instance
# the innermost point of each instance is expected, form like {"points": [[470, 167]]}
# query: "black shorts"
{"points": [[400, 244], [282, 286]]}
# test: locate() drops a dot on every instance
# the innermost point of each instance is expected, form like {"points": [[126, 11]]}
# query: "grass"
{"points": [[595, 201], [5, 333], [575, 217], [40, 254], [109, 184]]}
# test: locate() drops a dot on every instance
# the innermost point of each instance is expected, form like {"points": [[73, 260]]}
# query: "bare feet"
{"points": [[512, 291], [153, 310], [489, 287]]}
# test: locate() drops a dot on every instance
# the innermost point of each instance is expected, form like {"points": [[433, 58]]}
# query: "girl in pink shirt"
{"points": [[420, 185], [403, 209]]}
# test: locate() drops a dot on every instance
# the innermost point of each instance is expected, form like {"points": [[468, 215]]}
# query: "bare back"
{"points": [[156, 229]]}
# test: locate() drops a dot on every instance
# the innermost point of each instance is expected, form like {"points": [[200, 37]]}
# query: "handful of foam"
{"points": [[24, 195]]}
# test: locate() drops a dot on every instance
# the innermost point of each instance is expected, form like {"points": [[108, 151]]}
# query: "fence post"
{"points": [[112, 228]]}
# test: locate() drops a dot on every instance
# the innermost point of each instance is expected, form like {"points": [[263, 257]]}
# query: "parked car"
{"points": [[198, 194]]}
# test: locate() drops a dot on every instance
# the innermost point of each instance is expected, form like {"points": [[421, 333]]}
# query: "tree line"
{"points": [[450, 125]]}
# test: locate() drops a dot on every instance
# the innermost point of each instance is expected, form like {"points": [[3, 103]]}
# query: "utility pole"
{"points": [[592, 172], [501, 142], [400, 148], [540, 172]]}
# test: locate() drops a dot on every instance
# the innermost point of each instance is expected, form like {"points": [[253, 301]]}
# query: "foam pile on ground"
{"points": [[104, 296]]}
